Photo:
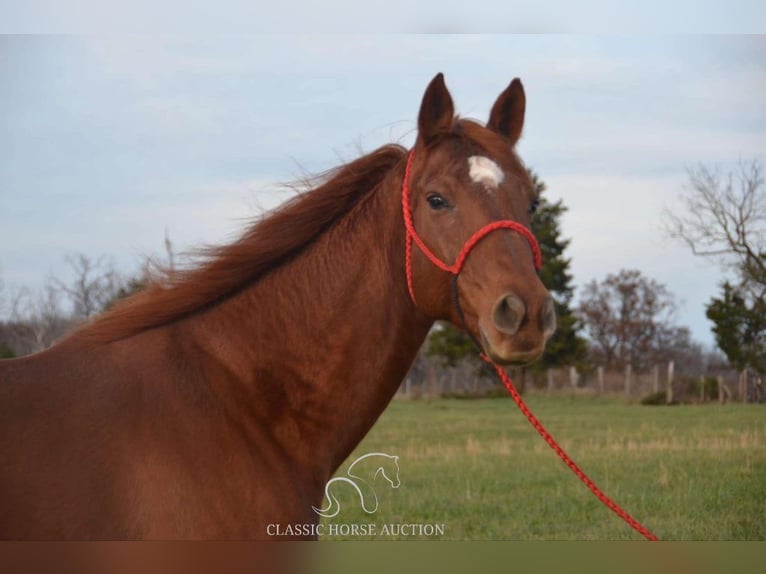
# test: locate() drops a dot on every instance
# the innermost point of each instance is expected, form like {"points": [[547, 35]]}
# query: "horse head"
{"points": [[464, 180]]}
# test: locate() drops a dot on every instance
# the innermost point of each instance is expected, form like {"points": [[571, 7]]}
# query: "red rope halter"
{"points": [[454, 269], [457, 266]]}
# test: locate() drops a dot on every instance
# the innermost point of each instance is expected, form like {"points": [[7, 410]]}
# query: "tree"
{"points": [[129, 287], [5, 350], [36, 320], [566, 347], [449, 345], [628, 318], [740, 327], [33, 321], [95, 284], [724, 217]]}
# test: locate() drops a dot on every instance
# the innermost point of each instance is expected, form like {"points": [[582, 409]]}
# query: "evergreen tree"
{"points": [[449, 345], [739, 325], [6, 352], [566, 347]]}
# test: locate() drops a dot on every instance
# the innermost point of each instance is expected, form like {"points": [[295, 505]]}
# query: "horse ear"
{"points": [[507, 115], [436, 110]]}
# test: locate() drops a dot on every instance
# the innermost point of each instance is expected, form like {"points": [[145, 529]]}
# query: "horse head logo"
{"points": [[370, 465]]}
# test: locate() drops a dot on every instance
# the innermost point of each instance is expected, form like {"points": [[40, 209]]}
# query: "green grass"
{"points": [[480, 469]]}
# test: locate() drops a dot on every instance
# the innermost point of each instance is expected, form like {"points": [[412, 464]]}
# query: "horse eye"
{"points": [[436, 201], [534, 205]]}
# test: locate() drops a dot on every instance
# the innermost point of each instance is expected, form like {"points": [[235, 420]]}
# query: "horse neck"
{"points": [[317, 348]]}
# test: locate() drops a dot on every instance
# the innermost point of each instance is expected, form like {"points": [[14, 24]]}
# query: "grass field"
{"points": [[479, 469]]}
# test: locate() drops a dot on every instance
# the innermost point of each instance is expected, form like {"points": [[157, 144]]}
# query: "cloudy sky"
{"points": [[109, 142]]}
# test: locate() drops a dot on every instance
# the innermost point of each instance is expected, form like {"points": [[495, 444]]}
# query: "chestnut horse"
{"points": [[220, 399]]}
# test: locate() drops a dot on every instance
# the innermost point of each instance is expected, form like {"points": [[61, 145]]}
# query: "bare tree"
{"points": [[628, 318], [36, 319], [723, 216], [95, 284]]}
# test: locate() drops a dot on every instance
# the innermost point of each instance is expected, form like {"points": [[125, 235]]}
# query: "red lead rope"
{"points": [[611, 504], [455, 268]]}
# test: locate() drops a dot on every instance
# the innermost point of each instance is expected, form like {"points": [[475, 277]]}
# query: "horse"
{"points": [[383, 465], [223, 396]]}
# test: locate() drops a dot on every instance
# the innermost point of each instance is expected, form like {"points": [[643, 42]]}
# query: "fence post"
{"points": [[702, 388], [600, 375], [669, 395], [573, 377], [522, 378], [656, 379], [743, 386], [627, 379], [720, 389], [431, 381]]}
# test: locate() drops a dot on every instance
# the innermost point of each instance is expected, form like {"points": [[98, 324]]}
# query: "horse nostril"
{"points": [[548, 317], [508, 313]]}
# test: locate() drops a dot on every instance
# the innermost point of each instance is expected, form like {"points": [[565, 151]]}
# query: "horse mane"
{"points": [[273, 240]]}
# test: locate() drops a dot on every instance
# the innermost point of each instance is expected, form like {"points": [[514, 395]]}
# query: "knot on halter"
{"points": [[456, 267]]}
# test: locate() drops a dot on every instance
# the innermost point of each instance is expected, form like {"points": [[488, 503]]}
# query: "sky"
{"points": [[374, 16], [110, 142]]}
